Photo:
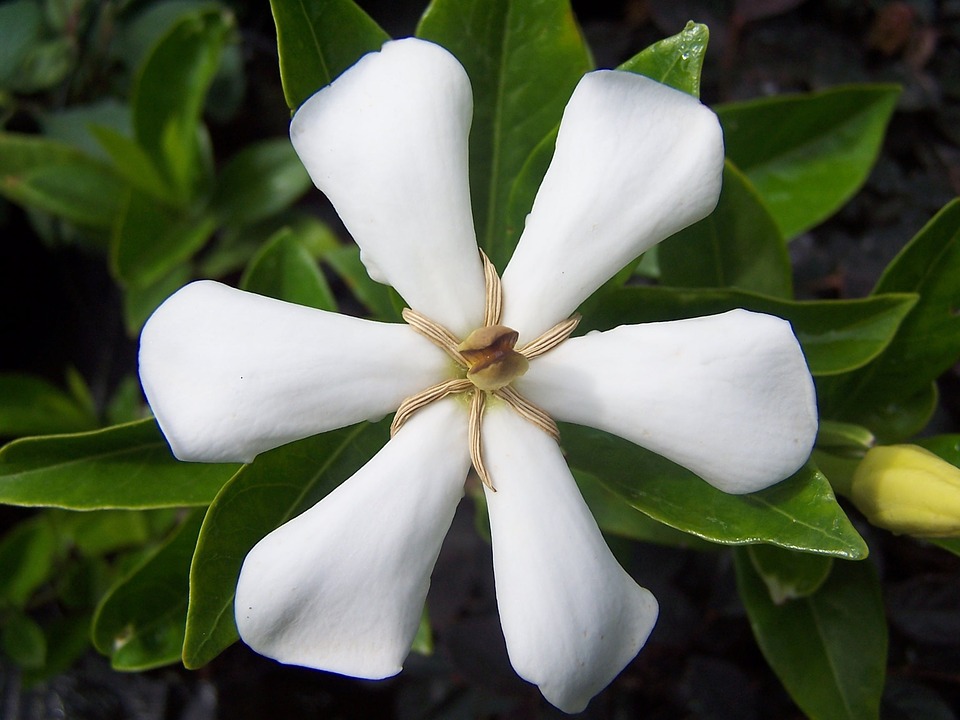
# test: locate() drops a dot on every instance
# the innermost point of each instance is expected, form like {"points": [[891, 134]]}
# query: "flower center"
{"points": [[491, 362]]}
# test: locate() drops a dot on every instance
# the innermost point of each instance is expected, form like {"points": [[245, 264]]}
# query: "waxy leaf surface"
{"points": [[800, 513], [125, 466], [829, 649], [808, 154]]}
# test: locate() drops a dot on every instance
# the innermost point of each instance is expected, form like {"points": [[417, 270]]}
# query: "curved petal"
{"points": [[387, 144], [230, 374], [572, 617], [727, 396], [635, 162], [341, 587]]}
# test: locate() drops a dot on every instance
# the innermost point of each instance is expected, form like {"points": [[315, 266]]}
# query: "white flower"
{"points": [[230, 374]]}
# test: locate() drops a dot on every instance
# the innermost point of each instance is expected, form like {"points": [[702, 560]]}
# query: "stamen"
{"points": [[435, 333], [490, 350], [550, 339], [493, 307], [423, 398], [476, 442], [528, 411]]}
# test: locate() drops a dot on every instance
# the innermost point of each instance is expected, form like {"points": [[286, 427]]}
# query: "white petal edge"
{"points": [[342, 586], [572, 617], [727, 396], [230, 374], [635, 162], [387, 144]]}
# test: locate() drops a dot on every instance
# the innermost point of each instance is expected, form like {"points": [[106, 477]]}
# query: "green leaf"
{"points": [[56, 178], [377, 298], [800, 513], [74, 124], [126, 466], [27, 555], [140, 302], [279, 485], [736, 246], [836, 335], [67, 638], [319, 39], [829, 649], [615, 516], [285, 270], [169, 94], [789, 575], [524, 57], [844, 438], [808, 154], [139, 624], [103, 532], [31, 406], [24, 641], [928, 342], [149, 240], [133, 163], [259, 181], [676, 61]]}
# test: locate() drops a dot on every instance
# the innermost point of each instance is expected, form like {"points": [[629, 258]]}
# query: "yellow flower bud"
{"points": [[907, 489]]}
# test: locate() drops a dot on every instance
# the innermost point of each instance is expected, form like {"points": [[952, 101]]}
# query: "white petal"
{"points": [[635, 162], [727, 396], [572, 617], [341, 587], [230, 374], [387, 144]]}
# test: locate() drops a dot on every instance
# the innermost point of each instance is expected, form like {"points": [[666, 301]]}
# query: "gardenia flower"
{"points": [[477, 375]]}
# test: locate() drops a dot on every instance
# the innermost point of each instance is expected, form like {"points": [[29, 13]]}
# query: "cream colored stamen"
{"points": [[490, 363]]}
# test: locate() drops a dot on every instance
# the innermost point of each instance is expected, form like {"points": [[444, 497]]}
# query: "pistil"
{"points": [[491, 362]]}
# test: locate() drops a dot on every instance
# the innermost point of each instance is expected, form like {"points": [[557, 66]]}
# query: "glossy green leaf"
{"points": [[56, 178], [808, 154], [844, 437], [279, 485], [140, 622], [829, 649], [946, 446], [524, 57], [30, 405], [149, 240], [789, 575], [836, 335], [285, 270], [616, 517], [27, 554], [737, 246], [126, 466], [928, 341], [800, 513], [676, 61], [259, 181], [23, 641], [319, 39], [169, 94]]}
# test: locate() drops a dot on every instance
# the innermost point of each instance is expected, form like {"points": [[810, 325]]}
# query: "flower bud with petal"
{"points": [[907, 489]]}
